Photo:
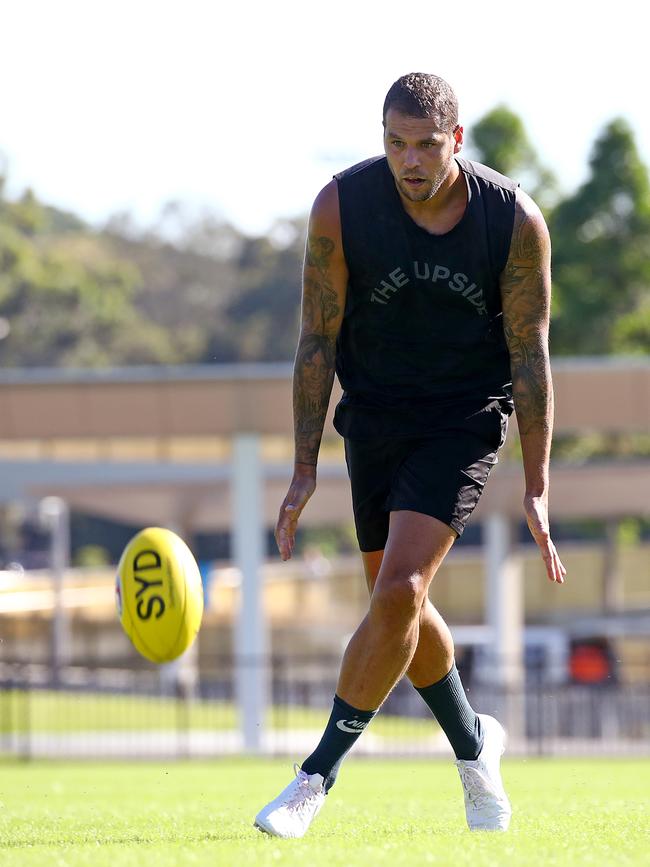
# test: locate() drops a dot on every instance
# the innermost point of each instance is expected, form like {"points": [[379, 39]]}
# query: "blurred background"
{"points": [[157, 164]]}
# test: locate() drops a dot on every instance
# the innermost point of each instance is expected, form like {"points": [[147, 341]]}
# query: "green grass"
{"points": [[567, 812], [50, 711]]}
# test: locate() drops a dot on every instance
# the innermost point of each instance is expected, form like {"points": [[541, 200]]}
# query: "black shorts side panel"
{"points": [[371, 466]]}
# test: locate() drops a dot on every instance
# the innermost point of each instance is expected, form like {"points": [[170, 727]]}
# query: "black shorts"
{"points": [[441, 474]]}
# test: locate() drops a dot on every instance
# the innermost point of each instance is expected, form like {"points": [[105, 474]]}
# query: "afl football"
{"points": [[159, 594]]}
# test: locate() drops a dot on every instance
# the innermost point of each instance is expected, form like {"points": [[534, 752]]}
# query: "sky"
{"points": [[246, 109]]}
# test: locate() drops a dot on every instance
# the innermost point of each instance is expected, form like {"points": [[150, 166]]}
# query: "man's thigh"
{"points": [[371, 566], [417, 544]]}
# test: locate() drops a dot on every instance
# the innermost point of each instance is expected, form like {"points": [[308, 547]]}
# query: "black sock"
{"points": [[343, 728], [450, 706]]}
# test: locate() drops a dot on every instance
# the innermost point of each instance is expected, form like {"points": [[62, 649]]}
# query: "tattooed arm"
{"points": [[325, 278], [525, 296]]}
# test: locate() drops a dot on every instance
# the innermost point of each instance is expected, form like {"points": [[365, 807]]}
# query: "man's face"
{"points": [[315, 369], [420, 154]]}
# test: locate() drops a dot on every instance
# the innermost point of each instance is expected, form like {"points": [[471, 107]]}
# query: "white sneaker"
{"points": [[295, 808], [487, 807]]}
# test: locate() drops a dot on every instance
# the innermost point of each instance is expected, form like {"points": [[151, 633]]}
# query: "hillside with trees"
{"points": [[74, 295]]}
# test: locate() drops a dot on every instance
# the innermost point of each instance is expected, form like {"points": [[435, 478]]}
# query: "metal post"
{"points": [[55, 516], [505, 615], [251, 639], [613, 596]]}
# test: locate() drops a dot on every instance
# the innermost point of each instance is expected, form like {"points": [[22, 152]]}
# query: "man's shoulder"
{"points": [[487, 174], [373, 164]]}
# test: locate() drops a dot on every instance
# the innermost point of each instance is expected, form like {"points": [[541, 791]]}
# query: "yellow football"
{"points": [[159, 594]]}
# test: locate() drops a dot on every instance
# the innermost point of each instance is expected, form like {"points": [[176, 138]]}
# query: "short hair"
{"points": [[419, 94]]}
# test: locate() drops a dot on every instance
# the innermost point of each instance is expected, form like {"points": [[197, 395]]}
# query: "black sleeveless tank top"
{"points": [[422, 334]]}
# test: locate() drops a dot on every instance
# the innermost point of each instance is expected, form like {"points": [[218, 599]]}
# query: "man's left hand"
{"points": [[536, 509]]}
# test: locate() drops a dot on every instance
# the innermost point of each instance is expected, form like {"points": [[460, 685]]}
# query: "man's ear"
{"points": [[458, 138]]}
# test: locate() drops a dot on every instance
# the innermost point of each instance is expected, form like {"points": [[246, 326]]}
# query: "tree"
{"points": [[631, 333], [266, 313], [601, 243], [502, 143], [64, 301]]}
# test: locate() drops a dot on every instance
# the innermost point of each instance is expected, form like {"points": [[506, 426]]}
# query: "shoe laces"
{"points": [[478, 789], [302, 794]]}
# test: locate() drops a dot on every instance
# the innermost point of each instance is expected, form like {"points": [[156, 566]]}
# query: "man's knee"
{"points": [[398, 596]]}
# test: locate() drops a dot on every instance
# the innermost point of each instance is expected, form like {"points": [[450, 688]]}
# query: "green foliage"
{"points": [[601, 242], [600, 234], [225, 296], [502, 143], [265, 311], [329, 540], [92, 555], [630, 333], [630, 531], [63, 299], [580, 448]]}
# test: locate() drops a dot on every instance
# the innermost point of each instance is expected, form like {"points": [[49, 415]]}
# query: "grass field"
{"points": [[567, 812]]}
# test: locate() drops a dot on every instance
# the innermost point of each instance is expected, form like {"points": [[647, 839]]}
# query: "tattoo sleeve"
{"points": [[316, 353], [525, 293]]}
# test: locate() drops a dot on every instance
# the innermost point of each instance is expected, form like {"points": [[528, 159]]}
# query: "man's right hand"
{"points": [[324, 286], [302, 487]]}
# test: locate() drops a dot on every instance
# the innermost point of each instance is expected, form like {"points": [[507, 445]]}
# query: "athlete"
{"points": [[426, 288]]}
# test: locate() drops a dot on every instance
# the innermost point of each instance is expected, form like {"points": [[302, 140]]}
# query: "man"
{"points": [[426, 287]]}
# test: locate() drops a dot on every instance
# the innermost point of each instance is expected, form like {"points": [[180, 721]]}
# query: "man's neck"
{"points": [[442, 211]]}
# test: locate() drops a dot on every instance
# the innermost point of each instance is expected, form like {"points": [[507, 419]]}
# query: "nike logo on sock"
{"points": [[354, 726]]}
